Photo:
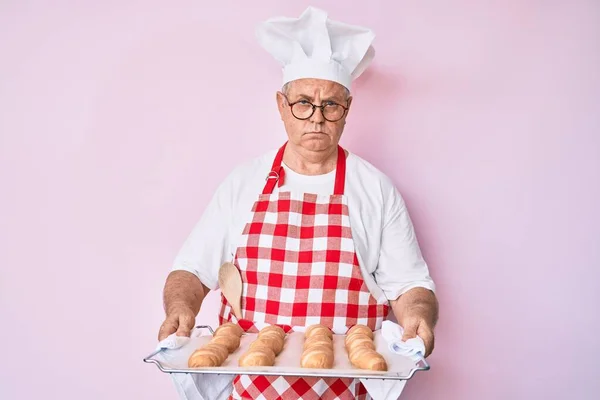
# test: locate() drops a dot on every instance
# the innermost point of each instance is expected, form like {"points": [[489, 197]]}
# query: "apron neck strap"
{"points": [[277, 174]]}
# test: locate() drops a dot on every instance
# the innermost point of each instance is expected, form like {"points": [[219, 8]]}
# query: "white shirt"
{"points": [[386, 246]]}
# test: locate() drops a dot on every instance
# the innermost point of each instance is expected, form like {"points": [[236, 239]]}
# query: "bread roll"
{"points": [[203, 358], [265, 348], [317, 356], [361, 349], [274, 342], [375, 362], [272, 329], [219, 349], [360, 329], [259, 356], [355, 354], [262, 347], [229, 328], [318, 330], [318, 348], [317, 340], [232, 342], [365, 358], [359, 340], [225, 340], [209, 355]]}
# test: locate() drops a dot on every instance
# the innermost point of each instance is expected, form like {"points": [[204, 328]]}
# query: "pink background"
{"points": [[119, 118]]}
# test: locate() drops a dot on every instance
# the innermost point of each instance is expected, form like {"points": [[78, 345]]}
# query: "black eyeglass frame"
{"points": [[314, 107]]}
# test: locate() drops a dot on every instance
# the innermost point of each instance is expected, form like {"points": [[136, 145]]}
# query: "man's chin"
{"points": [[312, 146], [319, 140]]}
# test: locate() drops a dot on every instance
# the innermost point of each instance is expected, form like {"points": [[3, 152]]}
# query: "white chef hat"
{"points": [[313, 46]]}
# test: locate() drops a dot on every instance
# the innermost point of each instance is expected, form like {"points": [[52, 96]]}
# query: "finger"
{"points": [[168, 327], [186, 324], [410, 330], [426, 334]]}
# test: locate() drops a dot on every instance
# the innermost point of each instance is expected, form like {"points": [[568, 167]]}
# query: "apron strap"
{"points": [[277, 173], [340, 172]]}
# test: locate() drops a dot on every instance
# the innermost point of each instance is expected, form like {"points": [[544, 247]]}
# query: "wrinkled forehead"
{"points": [[317, 88]]}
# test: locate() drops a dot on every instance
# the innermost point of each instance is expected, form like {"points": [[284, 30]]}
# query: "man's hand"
{"points": [[416, 326], [179, 319], [417, 313], [183, 295]]}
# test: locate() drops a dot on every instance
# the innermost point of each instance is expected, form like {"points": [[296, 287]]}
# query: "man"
{"points": [[319, 234]]}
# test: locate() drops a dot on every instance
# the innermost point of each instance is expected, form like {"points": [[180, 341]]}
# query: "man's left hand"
{"points": [[417, 313], [417, 326]]}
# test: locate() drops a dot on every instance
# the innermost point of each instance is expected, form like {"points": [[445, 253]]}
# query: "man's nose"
{"points": [[317, 116]]}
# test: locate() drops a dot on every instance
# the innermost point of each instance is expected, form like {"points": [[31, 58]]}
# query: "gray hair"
{"points": [[286, 87]]}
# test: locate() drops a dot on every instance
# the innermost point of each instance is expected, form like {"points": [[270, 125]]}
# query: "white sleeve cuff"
{"points": [[394, 294], [206, 280]]}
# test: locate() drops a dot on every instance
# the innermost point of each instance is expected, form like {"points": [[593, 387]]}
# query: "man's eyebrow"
{"points": [[336, 99], [304, 96]]}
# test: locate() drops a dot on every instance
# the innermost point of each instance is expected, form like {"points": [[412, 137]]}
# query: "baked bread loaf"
{"points": [[275, 343], [229, 328], [225, 340], [204, 358], [272, 329], [317, 340], [361, 349], [259, 356], [265, 348], [365, 330], [318, 329], [318, 348], [357, 340], [318, 356], [230, 341], [209, 355]]}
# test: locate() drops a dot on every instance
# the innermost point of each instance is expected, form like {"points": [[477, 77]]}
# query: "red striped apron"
{"points": [[299, 267]]}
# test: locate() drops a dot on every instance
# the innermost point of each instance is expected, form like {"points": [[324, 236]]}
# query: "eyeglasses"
{"points": [[304, 109]]}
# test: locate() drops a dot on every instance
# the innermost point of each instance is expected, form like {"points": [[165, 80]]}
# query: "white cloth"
{"points": [[194, 386], [392, 333], [172, 342], [314, 46], [387, 389], [384, 389], [202, 387], [386, 245]]}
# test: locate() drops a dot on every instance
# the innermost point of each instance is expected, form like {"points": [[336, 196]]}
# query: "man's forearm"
{"points": [[417, 302], [183, 289]]}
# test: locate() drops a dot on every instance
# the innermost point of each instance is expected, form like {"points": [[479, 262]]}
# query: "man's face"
{"points": [[315, 133]]}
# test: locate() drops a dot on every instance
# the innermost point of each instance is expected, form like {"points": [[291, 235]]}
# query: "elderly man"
{"points": [[319, 235]]}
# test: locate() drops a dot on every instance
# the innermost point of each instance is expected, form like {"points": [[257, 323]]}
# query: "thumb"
{"points": [[410, 330], [186, 324], [168, 327]]}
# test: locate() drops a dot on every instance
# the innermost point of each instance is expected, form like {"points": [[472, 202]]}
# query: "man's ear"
{"points": [[349, 101], [281, 103]]}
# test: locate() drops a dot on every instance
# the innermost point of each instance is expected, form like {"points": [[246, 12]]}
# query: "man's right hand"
{"points": [[183, 295], [179, 319]]}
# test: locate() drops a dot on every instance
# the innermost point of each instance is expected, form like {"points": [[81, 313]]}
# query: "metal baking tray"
{"points": [[287, 362]]}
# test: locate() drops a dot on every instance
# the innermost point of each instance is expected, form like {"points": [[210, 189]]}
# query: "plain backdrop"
{"points": [[119, 118]]}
